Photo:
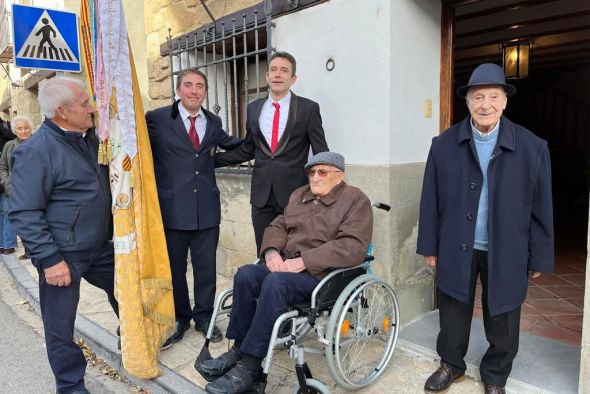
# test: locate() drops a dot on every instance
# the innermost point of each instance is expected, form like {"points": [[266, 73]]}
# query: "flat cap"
{"points": [[328, 158]]}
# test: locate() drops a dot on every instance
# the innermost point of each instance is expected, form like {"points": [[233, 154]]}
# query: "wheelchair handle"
{"points": [[381, 205]]}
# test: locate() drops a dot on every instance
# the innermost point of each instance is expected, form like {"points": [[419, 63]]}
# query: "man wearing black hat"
{"points": [[486, 211]]}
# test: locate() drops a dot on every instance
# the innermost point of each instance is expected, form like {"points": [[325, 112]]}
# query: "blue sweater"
{"points": [[485, 144]]}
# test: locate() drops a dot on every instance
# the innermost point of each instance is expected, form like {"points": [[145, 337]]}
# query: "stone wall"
{"points": [[181, 17]]}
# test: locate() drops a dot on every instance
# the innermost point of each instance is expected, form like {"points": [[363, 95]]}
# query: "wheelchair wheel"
{"points": [[362, 332], [315, 387]]}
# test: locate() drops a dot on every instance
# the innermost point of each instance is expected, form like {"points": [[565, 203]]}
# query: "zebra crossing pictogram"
{"points": [[46, 39], [46, 42]]}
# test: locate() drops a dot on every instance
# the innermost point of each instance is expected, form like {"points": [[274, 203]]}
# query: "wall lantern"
{"points": [[515, 59]]}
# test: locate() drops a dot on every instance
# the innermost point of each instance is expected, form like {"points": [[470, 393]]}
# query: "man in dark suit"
{"points": [[280, 130], [184, 137]]}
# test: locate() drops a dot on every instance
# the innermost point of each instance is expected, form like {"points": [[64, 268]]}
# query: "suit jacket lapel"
{"points": [[256, 127], [177, 126], [208, 131], [289, 126]]}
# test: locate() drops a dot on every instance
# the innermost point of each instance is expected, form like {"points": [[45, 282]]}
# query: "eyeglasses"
{"points": [[322, 173]]}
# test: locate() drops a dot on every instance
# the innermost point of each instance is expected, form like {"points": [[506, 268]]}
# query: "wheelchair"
{"points": [[355, 316]]}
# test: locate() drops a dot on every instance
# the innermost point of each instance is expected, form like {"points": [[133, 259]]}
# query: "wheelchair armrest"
{"points": [[327, 278]]}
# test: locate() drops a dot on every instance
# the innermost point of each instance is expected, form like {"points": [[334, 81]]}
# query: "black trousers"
{"points": [[58, 310], [262, 217], [259, 298], [502, 331], [202, 245]]}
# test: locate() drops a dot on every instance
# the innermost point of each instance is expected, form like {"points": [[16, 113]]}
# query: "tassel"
{"points": [[100, 153], [109, 151]]}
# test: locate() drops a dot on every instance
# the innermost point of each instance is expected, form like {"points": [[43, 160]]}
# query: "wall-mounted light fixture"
{"points": [[516, 58]]}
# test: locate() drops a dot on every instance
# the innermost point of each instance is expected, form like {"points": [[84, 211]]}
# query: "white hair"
{"points": [[56, 92], [20, 118]]}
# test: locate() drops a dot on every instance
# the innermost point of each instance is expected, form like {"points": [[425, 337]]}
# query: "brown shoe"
{"points": [[8, 250], [441, 379], [491, 389]]}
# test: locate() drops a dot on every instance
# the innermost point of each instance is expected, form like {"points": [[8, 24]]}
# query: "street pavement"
{"points": [[406, 372], [23, 356]]}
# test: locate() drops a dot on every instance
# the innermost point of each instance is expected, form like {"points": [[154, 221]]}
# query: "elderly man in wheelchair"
{"points": [[326, 225]]}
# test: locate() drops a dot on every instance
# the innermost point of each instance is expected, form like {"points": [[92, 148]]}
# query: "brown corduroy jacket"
{"points": [[333, 231]]}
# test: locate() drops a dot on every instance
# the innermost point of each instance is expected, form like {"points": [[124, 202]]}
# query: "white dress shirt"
{"points": [[200, 123], [267, 115]]}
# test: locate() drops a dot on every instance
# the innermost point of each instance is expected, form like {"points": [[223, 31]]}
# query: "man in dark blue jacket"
{"points": [[486, 211], [61, 209], [184, 138]]}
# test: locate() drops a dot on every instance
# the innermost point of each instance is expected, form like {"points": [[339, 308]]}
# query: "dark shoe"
{"points": [[237, 380], [8, 250], [24, 257], [181, 328], [491, 389], [216, 335], [441, 379], [213, 368], [82, 390], [2, 250]]}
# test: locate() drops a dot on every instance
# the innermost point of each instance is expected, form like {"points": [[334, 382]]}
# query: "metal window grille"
{"points": [[234, 58]]}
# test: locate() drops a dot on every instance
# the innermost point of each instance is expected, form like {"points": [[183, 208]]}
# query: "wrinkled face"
{"points": [[192, 91], [77, 115], [280, 77], [323, 178], [23, 130], [486, 104]]}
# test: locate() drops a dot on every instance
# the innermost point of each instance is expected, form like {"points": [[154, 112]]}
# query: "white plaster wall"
{"points": [[415, 76], [354, 97]]}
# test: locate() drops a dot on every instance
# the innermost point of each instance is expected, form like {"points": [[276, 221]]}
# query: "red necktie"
{"points": [[192, 133], [274, 139]]}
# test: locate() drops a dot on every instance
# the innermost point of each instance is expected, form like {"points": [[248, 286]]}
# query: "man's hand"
{"points": [[430, 261], [534, 274], [274, 261], [58, 275], [295, 265]]}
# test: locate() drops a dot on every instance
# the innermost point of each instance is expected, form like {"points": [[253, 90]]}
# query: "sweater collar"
{"points": [[506, 133]]}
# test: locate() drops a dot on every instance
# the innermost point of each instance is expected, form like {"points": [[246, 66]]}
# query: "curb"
{"points": [[102, 342]]}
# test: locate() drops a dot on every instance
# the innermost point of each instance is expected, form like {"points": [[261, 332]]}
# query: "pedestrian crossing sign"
{"points": [[45, 39]]}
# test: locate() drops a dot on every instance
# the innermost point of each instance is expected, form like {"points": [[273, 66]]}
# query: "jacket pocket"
{"points": [[71, 238], [162, 193]]}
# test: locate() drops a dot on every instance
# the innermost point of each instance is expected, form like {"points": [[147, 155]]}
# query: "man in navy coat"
{"points": [[184, 138], [486, 211]]}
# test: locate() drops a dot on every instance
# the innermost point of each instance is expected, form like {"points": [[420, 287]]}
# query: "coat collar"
{"points": [[328, 199], [506, 136], [177, 125], [292, 118]]}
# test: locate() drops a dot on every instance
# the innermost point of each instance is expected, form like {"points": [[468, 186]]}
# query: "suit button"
{"points": [[194, 191], [197, 172], [196, 155], [469, 216], [473, 186], [464, 247], [315, 202]]}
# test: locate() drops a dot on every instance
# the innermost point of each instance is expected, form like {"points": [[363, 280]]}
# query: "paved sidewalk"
{"points": [[96, 322]]}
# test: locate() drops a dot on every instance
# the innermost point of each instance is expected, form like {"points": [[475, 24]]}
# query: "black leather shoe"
{"points": [[202, 327], [215, 367], [181, 328], [237, 380], [8, 250], [492, 389], [441, 379]]}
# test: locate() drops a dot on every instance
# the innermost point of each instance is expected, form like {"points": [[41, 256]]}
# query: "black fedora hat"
{"points": [[487, 74]]}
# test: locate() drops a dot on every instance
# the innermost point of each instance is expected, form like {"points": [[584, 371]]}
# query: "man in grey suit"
{"points": [[280, 130]]}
